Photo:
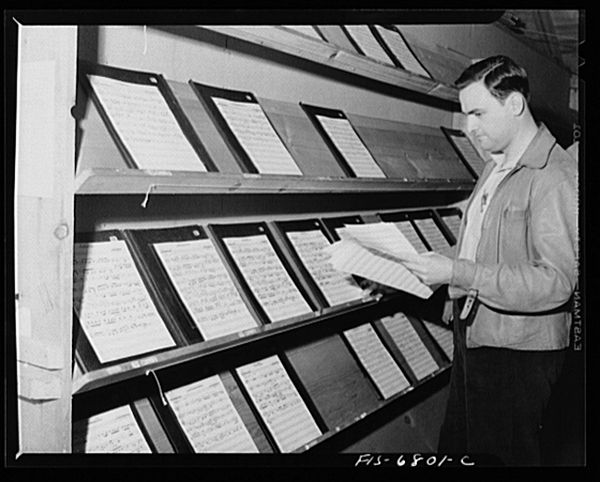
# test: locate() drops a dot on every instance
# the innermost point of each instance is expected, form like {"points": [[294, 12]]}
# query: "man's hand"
{"points": [[372, 288], [431, 268]]}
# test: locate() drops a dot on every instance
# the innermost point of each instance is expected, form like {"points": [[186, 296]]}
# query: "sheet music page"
{"points": [[267, 277], [146, 125], [346, 140], [279, 403], [398, 46], [115, 431], [305, 29], [384, 237], [443, 336], [377, 360], [114, 308], [337, 287], [363, 36], [412, 236], [453, 222], [410, 344], [351, 257], [257, 136], [209, 419], [432, 233], [470, 153], [205, 287]]}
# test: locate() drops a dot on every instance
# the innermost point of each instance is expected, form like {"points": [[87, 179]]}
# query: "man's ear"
{"points": [[516, 103]]}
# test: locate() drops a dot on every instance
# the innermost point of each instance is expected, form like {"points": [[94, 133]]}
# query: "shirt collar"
{"points": [[535, 155]]}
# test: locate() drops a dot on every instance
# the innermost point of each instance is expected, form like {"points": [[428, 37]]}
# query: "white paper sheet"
{"points": [[112, 303], [337, 287], [267, 277], [432, 234], [257, 136], [443, 336], [470, 153], [146, 125], [205, 287], [209, 419], [402, 52], [114, 431], [410, 345], [453, 222], [363, 36], [377, 360], [279, 403], [351, 147]]}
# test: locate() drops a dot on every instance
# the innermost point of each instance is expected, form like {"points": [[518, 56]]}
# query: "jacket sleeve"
{"points": [[548, 280]]}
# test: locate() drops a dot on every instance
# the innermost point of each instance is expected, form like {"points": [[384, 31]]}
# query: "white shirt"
{"points": [[479, 205]]}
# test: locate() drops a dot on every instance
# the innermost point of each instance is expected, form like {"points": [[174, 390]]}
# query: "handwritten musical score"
{"points": [[114, 308], [411, 234], [470, 153], [279, 403], [443, 336], [376, 359], [114, 431], [432, 234], [351, 147], [266, 276], [209, 419], [385, 237], [453, 222], [400, 49], [205, 287], [410, 344], [365, 40], [146, 125], [337, 287], [257, 136]]}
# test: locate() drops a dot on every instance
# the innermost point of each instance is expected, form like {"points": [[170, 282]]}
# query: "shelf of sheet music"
{"points": [[325, 321], [308, 48], [138, 181]]}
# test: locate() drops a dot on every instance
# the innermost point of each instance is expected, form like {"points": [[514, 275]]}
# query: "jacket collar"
{"points": [[537, 153]]}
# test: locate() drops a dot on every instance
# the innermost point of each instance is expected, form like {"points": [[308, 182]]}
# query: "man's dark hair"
{"points": [[500, 74]]}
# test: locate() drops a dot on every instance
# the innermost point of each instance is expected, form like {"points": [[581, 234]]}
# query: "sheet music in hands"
{"points": [[114, 308], [205, 287], [377, 360], [371, 251], [351, 147], [279, 403], [114, 431], [209, 419], [266, 276], [146, 125], [257, 136], [311, 247]]}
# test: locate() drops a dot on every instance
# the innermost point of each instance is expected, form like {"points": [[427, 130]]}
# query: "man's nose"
{"points": [[471, 124]]}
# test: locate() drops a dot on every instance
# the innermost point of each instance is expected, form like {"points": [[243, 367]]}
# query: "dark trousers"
{"points": [[497, 399]]}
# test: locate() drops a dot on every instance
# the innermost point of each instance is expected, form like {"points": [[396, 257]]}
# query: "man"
{"points": [[513, 274]]}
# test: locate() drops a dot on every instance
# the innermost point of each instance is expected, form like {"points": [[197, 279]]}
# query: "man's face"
{"points": [[489, 121]]}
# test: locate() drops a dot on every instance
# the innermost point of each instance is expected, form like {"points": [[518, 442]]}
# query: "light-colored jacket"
{"points": [[526, 263]]}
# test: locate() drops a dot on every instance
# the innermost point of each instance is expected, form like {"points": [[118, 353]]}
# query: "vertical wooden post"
{"points": [[44, 167]]}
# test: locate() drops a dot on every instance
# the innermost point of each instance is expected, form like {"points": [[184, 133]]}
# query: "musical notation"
{"points": [[411, 234], [257, 136], [470, 153], [146, 125], [351, 147], [337, 287], [205, 287], [209, 419], [453, 222], [432, 234], [365, 40], [377, 360], [114, 431], [410, 344], [279, 403], [400, 49], [443, 336], [113, 306], [267, 277]]}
